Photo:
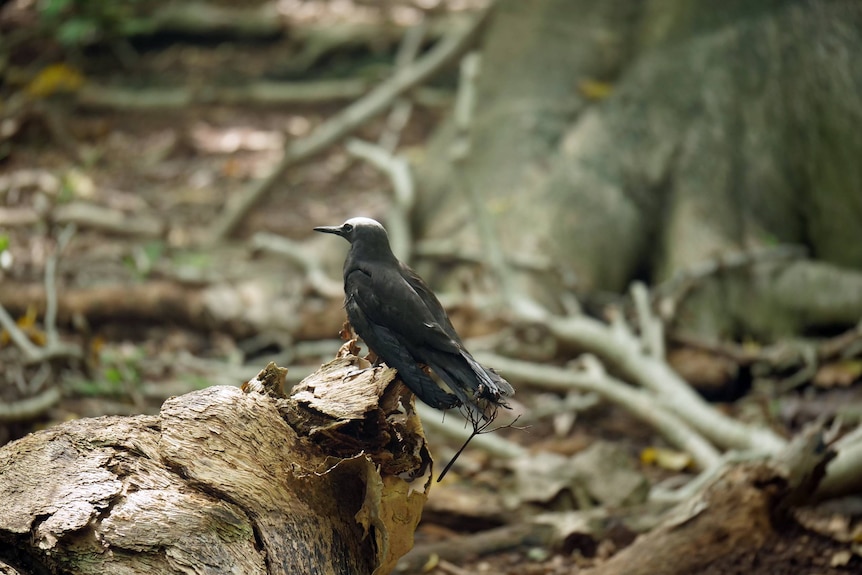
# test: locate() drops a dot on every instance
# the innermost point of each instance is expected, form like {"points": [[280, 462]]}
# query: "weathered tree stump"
{"points": [[225, 480], [732, 517]]}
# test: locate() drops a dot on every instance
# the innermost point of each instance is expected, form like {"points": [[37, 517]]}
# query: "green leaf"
{"points": [[77, 31], [113, 375], [52, 8], [154, 250]]}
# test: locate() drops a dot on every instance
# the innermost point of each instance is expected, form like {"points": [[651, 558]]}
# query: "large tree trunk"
{"points": [[535, 56], [729, 127], [224, 481]]}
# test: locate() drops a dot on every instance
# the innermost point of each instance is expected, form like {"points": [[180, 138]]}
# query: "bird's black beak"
{"points": [[337, 230]]}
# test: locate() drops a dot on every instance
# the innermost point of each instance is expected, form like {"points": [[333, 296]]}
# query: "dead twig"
{"points": [[42, 180], [254, 94], [620, 349], [94, 216], [63, 240], [19, 217], [848, 344], [88, 215], [742, 355], [54, 348], [457, 429], [651, 327], [397, 168], [30, 407], [481, 424], [592, 378], [530, 533], [206, 305], [465, 104], [844, 473], [382, 156], [28, 348], [668, 295], [803, 356], [317, 278], [403, 107], [203, 18]]}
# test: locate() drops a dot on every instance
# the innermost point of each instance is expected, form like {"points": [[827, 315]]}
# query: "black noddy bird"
{"points": [[401, 320]]}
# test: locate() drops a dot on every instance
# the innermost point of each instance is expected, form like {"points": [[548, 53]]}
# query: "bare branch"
{"points": [[28, 348], [104, 219], [51, 284], [54, 347], [844, 473], [669, 294], [593, 379], [30, 407], [349, 119], [259, 93], [318, 279], [623, 352], [651, 327], [400, 113], [398, 170]]}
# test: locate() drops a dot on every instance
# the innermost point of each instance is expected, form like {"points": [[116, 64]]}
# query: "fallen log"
{"points": [[226, 307], [225, 480]]}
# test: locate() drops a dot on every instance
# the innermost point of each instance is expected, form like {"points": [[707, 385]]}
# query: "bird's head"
{"points": [[358, 229]]}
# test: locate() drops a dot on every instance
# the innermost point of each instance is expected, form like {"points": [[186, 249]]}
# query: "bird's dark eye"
{"points": [[347, 227]]}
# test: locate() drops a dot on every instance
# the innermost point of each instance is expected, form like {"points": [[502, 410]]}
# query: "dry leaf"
{"points": [[55, 78], [595, 89], [838, 374], [666, 458]]}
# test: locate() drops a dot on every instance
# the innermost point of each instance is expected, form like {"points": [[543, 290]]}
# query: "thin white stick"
{"points": [[63, 239], [317, 278], [637, 402], [651, 327], [397, 169], [623, 352]]}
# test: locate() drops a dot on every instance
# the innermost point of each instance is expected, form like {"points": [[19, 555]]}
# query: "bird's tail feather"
{"points": [[425, 388], [480, 390], [492, 386], [454, 384]]}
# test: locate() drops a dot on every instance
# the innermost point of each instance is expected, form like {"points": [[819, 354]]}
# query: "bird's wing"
{"points": [[387, 344], [388, 300], [397, 323], [457, 365], [434, 306]]}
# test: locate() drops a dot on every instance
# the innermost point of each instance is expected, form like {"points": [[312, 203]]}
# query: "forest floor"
{"points": [[181, 165]]}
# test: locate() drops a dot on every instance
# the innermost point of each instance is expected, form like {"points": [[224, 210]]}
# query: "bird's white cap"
{"points": [[364, 222]]}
